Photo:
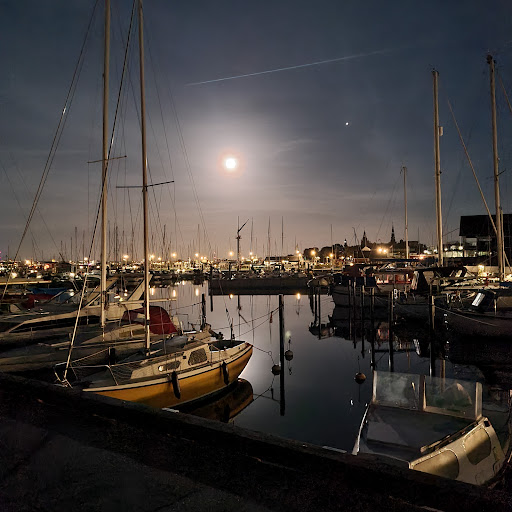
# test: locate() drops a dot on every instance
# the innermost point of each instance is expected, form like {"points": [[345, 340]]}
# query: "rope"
{"points": [[452, 312], [474, 175], [56, 138]]}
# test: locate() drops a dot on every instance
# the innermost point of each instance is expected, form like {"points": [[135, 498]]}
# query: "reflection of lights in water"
{"points": [[231, 295], [183, 283], [174, 293], [298, 296], [152, 291], [197, 292], [288, 334]]}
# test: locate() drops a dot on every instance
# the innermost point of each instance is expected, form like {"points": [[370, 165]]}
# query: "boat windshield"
{"points": [[482, 301], [462, 399], [66, 296]]}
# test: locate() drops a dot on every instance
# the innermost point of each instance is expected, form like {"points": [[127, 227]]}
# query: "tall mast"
{"points": [[404, 170], [282, 237], [238, 243], [437, 133], [499, 224], [144, 179], [106, 66], [238, 237]]}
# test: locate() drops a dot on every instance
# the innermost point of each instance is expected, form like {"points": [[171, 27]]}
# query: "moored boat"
{"points": [[433, 425], [175, 373], [489, 314], [58, 316]]}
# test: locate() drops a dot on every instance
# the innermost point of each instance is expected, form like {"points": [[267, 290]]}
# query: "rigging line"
{"points": [[459, 175], [391, 198], [188, 166], [153, 67], [135, 103], [504, 92], [53, 149], [265, 318], [57, 135], [474, 175], [38, 210], [17, 198], [82, 294], [160, 106], [118, 108], [173, 195]]}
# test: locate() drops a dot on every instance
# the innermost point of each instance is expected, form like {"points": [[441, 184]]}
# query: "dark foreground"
{"points": [[60, 450]]}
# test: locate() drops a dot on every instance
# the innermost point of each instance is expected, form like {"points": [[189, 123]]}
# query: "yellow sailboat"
{"points": [[180, 368]]}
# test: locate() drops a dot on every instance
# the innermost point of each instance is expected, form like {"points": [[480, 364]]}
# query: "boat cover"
{"points": [[159, 320]]}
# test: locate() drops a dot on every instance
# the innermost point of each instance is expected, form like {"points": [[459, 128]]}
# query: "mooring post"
{"points": [[281, 353], [203, 311], [319, 314], [390, 335]]}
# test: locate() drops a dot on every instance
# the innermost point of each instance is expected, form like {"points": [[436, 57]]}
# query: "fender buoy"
{"points": [[175, 384], [288, 355], [276, 369], [225, 373], [360, 377]]}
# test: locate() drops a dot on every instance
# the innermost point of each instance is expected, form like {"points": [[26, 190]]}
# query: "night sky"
{"points": [[322, 103]]}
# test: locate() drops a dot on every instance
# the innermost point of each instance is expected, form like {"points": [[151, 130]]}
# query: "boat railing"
{"points": [[123, 372]]}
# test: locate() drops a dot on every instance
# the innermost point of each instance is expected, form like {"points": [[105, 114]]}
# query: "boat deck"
{"points": [[402, 433]]}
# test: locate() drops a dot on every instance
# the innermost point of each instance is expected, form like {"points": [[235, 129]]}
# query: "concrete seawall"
{"points": [[62, 449]]}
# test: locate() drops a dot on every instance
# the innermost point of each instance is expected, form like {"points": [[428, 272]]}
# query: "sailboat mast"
{"points": [[238, 244], [499, 224], [144, 178], [437, 130], [404, 170], [106, 66]]}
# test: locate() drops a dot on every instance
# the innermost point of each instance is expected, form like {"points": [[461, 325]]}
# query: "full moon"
{"points": [[230, 163]]}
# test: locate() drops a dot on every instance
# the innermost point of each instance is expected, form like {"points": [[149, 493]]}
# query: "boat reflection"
{"points": [[225, 406], [492, 357]]}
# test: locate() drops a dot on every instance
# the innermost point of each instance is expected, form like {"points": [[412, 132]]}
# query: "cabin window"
{"points": [[477, 446], [169, 367], [443, 464], [198, 356]]}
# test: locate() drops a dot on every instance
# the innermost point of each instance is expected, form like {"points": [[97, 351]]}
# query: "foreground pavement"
{"points": [[61, 450]]}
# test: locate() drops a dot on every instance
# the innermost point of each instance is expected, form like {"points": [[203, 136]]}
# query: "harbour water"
{"points": [[317, 399]]}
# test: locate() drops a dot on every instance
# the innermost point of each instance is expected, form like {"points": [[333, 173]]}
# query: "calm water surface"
{"points": [[320, 401]]}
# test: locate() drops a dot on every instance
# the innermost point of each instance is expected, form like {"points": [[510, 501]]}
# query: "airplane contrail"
{"points": [[347, 57]]}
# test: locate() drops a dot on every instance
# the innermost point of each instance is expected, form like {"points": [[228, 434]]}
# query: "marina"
{"points": [[267, 295], [303, 377]]}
